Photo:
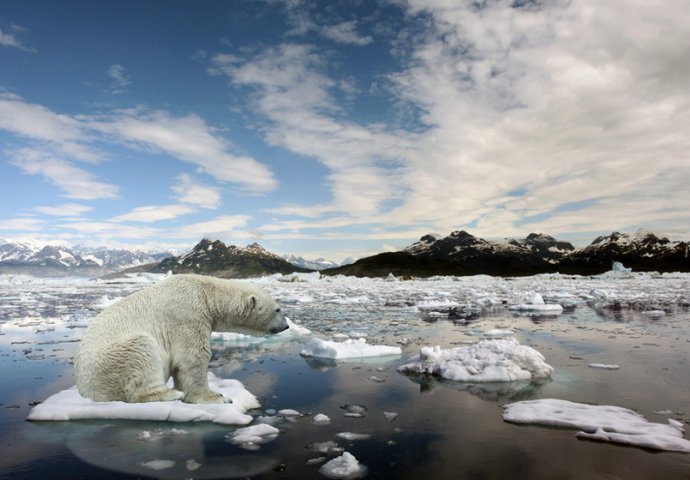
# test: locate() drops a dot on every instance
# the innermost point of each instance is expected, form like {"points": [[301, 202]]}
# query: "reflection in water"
{"points": [[488, 391], [184, 452]]}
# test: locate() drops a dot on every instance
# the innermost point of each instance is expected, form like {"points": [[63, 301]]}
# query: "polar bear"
{"points": [[130, 350]]}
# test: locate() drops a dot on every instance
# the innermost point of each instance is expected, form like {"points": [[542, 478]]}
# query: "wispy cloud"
{"points": [[64, 210], [346, 34], [73, 181], [8, 38], [29, 224], [226, 226], [188, 138], [155, 213], [119, 79], [190, 191]]}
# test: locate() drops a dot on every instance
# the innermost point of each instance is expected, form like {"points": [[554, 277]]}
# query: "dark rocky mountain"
{"points": [[227, 261], [461, 253], [59, 260], [641, 251]]}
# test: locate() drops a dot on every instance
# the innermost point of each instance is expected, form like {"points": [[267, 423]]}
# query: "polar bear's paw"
{"points": [[206, 397]]}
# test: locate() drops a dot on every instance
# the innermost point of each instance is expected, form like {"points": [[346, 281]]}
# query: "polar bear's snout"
{"points": [[279, 329], [279, 323]]}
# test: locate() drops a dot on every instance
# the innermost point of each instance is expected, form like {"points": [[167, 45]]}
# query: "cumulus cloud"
{"points": [[346, 33], [190, 191]]}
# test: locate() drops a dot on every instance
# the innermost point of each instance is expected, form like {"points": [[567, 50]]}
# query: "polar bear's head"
{"points": [[253, 312]]}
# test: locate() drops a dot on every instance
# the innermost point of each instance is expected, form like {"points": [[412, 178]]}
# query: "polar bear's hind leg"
{"points": [[138, 356]]}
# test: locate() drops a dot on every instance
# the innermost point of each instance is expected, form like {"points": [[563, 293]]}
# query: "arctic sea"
{"points": [[621, 339]]}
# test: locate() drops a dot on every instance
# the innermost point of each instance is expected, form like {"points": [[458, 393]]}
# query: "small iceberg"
{"points": [[500, 360], [533, 302]]}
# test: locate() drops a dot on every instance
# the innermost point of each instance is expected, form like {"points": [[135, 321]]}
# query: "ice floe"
{"points": [[251, 437], [604, 366], [534, 302], [345, 466], [600, 422], [349, 349], [69, 405], [496, 360]]}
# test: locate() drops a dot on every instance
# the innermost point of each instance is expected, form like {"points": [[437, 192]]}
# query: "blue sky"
{"points": [[341, 129]]}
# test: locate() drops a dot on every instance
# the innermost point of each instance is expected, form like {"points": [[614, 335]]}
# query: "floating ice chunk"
{"points": [[251, 437], [350, 436], [498, 332], [604, 366], [552, 308], [288, 412], [600, 422], [533, 298], [192, 465], [500, 360], [321, 419], [390, 416], [328, 447], [345, 466], [348, 349], [69, 405], [654, 313], [294, 331], [158, 464]]}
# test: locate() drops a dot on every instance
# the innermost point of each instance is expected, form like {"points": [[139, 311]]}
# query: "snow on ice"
{"points": [[500, 360], [349, 349], [600, 422], [534, 302], [69, 405], [251, 437]]}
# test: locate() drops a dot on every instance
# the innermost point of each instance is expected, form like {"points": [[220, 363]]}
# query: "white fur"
{"points": [[129, 350]]}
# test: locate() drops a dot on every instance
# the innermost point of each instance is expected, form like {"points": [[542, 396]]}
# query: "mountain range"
{"points": [[61, 260], [459, 253]]}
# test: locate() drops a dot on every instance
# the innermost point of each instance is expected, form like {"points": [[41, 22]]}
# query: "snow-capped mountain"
{"points": [[59, 259], [318, 264], [461, 253], [215, 258], [641, 251]]}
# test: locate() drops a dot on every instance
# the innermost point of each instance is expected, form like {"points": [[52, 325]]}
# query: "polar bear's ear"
{"points": [[252, 302]]}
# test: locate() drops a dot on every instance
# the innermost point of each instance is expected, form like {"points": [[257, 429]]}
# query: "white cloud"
{"points": [[73, 181], [225, 225], [64, 210], [346, 33], [190, 191], [119, 78], [155, 213], [110, 230], [9, 39], [36, 122], [190, 139], [28, 224]]}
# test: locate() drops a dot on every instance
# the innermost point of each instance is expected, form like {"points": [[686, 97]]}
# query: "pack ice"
{"points": [[499, 360]]}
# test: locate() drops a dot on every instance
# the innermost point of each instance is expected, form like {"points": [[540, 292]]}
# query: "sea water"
{"points": [[394, 425]]}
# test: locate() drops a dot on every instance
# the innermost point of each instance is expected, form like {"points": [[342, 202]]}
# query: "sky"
{"points": [[342, 129]]}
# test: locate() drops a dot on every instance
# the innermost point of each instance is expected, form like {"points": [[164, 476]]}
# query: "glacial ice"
{"points": [[600, 422]]}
